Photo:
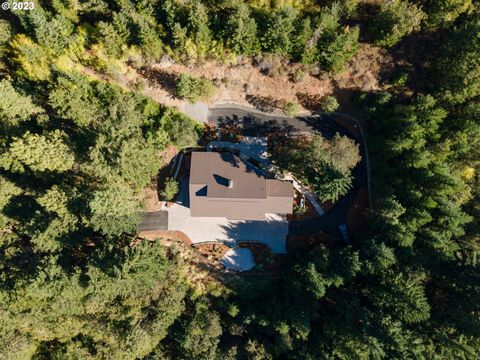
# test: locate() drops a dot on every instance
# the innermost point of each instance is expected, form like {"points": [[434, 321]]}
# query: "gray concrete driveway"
{"points": [[272, 231], [197, 111]]}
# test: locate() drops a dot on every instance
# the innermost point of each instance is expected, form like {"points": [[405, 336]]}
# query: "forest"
{"points": [[75, 282]]}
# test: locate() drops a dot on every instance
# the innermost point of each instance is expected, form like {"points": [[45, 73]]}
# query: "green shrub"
{"points": [[329, 104], [298, 75], [194, 89], [298, 210], [400, 79], [291, 108], [170, 189]]}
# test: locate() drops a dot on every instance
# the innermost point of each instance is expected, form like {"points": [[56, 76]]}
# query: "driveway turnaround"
{"points": [[154, 220], [272, 231]]}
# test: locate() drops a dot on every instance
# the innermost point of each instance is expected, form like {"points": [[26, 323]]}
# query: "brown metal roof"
{"points": [[277, 188], [216, 170]]}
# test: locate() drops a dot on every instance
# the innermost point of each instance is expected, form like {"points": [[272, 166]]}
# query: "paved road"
{"points": [[255, 123], [155, 220]]}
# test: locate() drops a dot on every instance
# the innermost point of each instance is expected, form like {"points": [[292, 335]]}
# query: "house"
{"points": [[223, 185]]}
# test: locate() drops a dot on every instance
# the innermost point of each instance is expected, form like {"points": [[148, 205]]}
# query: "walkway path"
{"points": [[311, 197]]}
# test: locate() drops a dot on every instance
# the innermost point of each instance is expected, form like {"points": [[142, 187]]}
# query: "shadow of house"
{"points": [[271, 232], [183, 196]]}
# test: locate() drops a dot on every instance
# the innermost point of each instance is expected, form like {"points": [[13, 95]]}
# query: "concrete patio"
{"points": [[272, 231], [239, 259]]}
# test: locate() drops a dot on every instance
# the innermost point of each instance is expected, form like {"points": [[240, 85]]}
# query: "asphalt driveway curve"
{"points": [[256, 123]]}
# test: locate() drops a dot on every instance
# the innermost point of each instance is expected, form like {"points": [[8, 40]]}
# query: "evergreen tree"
{"points": [[199, 31], [15, 107], [32, 59], [38, 153], [333, 55], [241, 31], [279, 27], [144, 292], [457, 70], [74, 99], [396, 19], [441, 13]]}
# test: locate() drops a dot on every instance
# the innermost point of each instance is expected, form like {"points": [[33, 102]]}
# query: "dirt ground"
{"points": [[269, 82], [248, 84], [177, 236]]}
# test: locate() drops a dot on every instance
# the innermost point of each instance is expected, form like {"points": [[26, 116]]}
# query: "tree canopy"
{"points": [[80, 144]]}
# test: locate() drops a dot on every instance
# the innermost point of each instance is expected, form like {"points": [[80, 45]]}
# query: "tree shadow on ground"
{"points": [[324, 125], [264, 103], [233, 158], [310, 102], [254, 126], [165, 80], [414, 55]]}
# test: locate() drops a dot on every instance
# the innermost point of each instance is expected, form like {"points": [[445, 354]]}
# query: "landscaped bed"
{"points": [[322, 165], [263, 257], [212, 250]]}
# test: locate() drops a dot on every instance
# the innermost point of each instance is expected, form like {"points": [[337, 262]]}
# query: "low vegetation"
{"points": [[329, 104], [291, 108], [170, 189], [194, 89]]}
